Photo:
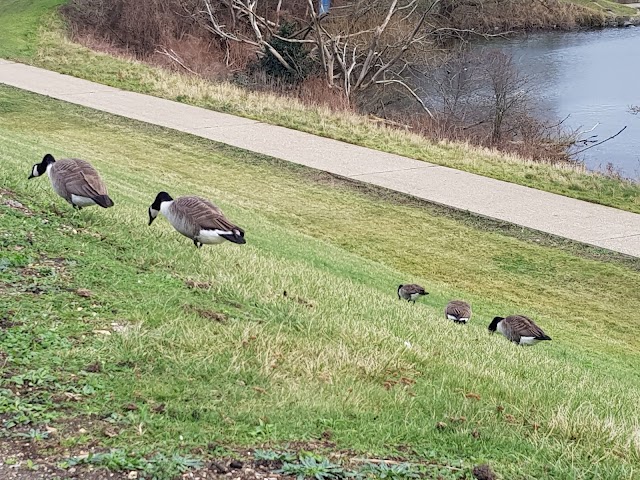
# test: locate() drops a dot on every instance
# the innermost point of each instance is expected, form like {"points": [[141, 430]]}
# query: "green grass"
{"points": [[20, 23], [51, 49], [204, 348], [607, 6]]}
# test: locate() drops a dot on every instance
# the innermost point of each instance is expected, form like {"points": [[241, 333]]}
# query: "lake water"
{"points": [[592, 76]]}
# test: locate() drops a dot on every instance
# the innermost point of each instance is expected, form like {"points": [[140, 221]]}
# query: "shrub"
{"points": [[295, 54]]}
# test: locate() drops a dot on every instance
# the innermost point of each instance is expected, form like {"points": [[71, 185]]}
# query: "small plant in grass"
{"points": [[158, 467], [23, 411], [262, 430], [114, 460], [33, 378], [34, 434], [161, 467], [396, 471], [312, 467], [273, 456]]}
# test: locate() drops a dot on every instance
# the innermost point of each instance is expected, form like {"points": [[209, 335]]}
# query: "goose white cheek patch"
{"points": [[35, 171]]}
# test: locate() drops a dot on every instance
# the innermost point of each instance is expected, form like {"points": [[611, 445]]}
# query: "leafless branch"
{"points": [[411, 92], [588, 131], [174, 56], [603, 141]]}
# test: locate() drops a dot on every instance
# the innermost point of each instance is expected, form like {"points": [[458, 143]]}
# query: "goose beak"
{"points": [[152, 217], [31, 176]]}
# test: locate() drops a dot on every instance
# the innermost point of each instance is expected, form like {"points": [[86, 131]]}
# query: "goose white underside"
{"points": [[455, 319], [82, 201], [415, 296], [212, 237], [523, 340]]}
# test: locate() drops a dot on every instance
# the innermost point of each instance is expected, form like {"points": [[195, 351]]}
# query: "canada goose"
{"points": [[411, 292], [458, 311], [196, 218], [74, 180], [519, 329]]}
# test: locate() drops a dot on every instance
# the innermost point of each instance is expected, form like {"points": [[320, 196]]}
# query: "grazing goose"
{"points": [[411, 292], [519, 329], [74, 180], [196, 218], [458, 311]]}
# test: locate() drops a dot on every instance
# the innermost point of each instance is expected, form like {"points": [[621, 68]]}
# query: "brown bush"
{"points": [[139, 25], [488, 16]]}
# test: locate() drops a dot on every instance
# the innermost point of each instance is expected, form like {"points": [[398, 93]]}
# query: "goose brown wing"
{"points": [[516, 326], [412, 288], [80, 178], [458, 309], [204, 214]]}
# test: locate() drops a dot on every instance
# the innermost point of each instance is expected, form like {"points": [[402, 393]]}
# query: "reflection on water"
{"points": [[594, 77]]}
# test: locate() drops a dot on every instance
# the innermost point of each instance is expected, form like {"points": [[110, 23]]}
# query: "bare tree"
{"points": [[508, 91], [359, 45]]}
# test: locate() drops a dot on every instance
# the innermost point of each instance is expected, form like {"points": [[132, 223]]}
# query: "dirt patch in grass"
{"points": [[6, 322], [7, 197], [31, 459], [27, 460], [206, 313], [196, 285]]}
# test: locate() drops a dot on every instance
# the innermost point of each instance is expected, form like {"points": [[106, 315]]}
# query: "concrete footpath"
{"points": [[584, 222]]}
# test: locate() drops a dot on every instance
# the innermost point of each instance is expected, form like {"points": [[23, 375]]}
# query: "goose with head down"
{"points": [[458, 311], [518, 329], [196, 218], [411, 292], [74, 180]]}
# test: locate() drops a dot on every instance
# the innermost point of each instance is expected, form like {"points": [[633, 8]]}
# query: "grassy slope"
{"points": [[20, 22], [607, 6], [55, 52], [282, 369]]}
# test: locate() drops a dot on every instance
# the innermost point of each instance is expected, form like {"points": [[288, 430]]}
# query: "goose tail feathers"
{"points": [[236, 236], [104, 201]]}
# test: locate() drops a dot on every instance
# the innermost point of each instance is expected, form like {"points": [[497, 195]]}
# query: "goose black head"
{"points": [[41, 168], [494, 324], [154, 209], [398, 291]]}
